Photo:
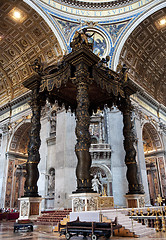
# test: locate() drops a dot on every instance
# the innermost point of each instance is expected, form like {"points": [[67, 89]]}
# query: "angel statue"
{"points": [[81, 37]]}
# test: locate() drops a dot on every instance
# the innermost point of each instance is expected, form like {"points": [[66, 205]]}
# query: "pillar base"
{"points": [[30, 208], [135, 200], [84, 202]]}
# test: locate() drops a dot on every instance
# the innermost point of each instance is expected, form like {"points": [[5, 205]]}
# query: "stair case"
{"points": [[130, 228], [52, 217]]}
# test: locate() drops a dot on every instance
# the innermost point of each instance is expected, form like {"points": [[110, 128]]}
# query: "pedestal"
{"points": [[30, 208], [84, 202], [135, 200], [84, 206]]}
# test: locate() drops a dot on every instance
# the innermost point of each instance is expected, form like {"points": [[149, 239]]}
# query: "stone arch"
{"points": [[20, 138], [150, 132], [17, 156], [94, 140], [155, 163]]}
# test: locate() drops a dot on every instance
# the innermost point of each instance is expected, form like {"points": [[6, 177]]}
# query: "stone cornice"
{"points": [[15, 101], [143, 94]]}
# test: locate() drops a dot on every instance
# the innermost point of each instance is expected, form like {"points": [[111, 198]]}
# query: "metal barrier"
{"points": [[155, 218]]}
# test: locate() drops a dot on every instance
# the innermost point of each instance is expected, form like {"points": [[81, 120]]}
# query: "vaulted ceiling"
{"points": [[22, 39], [144, 53]]}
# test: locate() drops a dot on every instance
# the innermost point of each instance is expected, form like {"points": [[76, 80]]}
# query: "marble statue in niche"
{"points": [[96, 184], [51, 182]]}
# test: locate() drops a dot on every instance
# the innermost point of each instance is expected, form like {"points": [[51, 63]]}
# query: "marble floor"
{"points": [[45, 232]]}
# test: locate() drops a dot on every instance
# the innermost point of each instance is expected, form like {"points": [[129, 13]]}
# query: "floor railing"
{"points": [[155, 218]]}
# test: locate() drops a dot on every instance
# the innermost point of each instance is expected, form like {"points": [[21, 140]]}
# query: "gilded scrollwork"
{"points": [[55, 80], [108, 81]]}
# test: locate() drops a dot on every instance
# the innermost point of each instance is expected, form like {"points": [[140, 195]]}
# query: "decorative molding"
{"points": [[23, 97], [97, 5]]}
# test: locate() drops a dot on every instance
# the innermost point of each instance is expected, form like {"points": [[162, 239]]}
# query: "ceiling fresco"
{"points": [[24, 35]]}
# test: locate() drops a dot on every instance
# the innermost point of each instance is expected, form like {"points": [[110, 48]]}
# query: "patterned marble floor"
{"points": [[45, 232]]}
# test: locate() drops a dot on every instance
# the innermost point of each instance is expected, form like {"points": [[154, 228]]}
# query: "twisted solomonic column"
{"points": [[82, 133], [32, 175], [130, 159]]}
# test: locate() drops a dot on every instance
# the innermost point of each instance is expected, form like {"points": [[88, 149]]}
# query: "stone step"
{"points": [[136, 228], [122, 232], [53, 216]]}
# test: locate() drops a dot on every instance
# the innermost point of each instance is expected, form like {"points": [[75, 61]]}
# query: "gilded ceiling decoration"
{"points": [[24, 36], [144, 53]]}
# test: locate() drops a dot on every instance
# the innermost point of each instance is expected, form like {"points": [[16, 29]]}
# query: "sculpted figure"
{"points": [[104, 62], [51, 182], [81, 38], [95, 184]]}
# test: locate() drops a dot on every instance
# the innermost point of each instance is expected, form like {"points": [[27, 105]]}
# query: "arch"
{"points": [[17, 157], [19, 139], [104, 175], [154, 159], [105, 169], [152, 137], [125, 36], [94, 140]]}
